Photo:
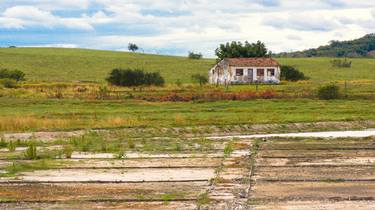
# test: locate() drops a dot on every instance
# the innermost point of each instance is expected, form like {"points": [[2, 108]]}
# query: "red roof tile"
{"points": [[252, 62]]}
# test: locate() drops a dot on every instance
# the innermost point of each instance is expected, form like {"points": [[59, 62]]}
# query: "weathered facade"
{"points": [[245, 71]]}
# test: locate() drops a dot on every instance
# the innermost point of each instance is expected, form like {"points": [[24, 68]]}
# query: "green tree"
{"points": [[12, 74], [134, 77], [196, 56], [329, 92], [289, 73], [239, 50], [133, 47]]}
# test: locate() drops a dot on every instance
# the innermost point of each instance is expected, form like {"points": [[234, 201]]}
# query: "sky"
{"points": [[175, 27]]}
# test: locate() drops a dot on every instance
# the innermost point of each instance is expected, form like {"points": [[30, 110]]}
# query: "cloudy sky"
{"points": [[178, 26]]}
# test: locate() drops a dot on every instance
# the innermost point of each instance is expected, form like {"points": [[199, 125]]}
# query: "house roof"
{"points": [[252, 62]]}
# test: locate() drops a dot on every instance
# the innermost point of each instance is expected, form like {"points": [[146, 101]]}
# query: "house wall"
{"points": [[223, 74], [220, 74], [247, 79]]}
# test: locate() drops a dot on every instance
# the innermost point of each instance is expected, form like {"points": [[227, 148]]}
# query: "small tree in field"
{"points": [[329, 92], [134, 77], [133, 47], [12, 74], [195, 56], [289, 73], [200, 79]]}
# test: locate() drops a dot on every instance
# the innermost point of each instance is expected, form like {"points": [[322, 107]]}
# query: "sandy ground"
{"points": [[103, 205], [318, 205], [313, 191], [355, 161], [330, 134], [130, 155], [117, 175], [100, 192], [316, 173]]}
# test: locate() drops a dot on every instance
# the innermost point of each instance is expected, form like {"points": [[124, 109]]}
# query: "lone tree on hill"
{"points": [[239, 50], [133, 47]]}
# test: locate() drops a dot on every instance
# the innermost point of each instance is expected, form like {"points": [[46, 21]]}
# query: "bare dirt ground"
{"points": [[266, 173], [314, 174]]}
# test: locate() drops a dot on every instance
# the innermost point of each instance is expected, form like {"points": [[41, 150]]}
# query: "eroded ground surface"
{"points": [[314, 174], [275, 173]]}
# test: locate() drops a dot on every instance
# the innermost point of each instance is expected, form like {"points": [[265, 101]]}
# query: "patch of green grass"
{"points": [[203, 199], [31, 152], [19, 167], [228, 149], [12, 145], [168, 197], [79, 114], [53, 64]]}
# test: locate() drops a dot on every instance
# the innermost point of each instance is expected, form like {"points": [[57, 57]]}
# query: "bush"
{"points": [[329, 92], [12, 146], [31, 152], [199, 78], [68, 151], [290, 73], [136, 77], [12, 74], [196, 56], [341, 63], [8, 83]]}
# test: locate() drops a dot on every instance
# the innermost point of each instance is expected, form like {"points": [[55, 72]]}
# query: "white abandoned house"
{"points": [[245, 71]]}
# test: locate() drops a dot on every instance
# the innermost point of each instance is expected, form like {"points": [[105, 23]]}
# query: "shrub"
{"points": [[290, 73], [195, 56], [200, 79], [136, 77], [228, 149], [68, 151], [329, 92], [102, 93], [12, 146], [8, 83], [341, 63], [12, 74], [31, 152]]}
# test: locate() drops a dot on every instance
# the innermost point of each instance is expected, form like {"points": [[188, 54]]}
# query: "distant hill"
{"points": [[362, 47], [66, 65]]}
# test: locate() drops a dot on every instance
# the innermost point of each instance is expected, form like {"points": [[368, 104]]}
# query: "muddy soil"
{"points": [[313, 191], [316, 173], [100, 192]]}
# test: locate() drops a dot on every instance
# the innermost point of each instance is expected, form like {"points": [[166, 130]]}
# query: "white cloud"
{"points": [[55, 45], [21, 17], [198, 25], [48, 4]]}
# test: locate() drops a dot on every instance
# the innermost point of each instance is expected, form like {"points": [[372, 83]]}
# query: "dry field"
{"points": [[275, 173]]}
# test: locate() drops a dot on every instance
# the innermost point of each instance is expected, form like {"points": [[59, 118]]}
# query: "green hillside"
{"points": [[362, 47], [67, 65], [56, 64]]}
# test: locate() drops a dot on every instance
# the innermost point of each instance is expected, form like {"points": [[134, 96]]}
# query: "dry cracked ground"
{"points": [[261, 174]]}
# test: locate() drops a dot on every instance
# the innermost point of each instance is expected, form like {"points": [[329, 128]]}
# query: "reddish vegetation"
{"points": [[213, 96]]}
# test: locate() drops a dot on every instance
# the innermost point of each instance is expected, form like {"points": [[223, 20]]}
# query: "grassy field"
{"points": [[66, 65], [32, 115]]}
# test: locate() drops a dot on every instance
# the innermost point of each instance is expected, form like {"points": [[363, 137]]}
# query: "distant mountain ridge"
{"points": [[357, 48]]}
